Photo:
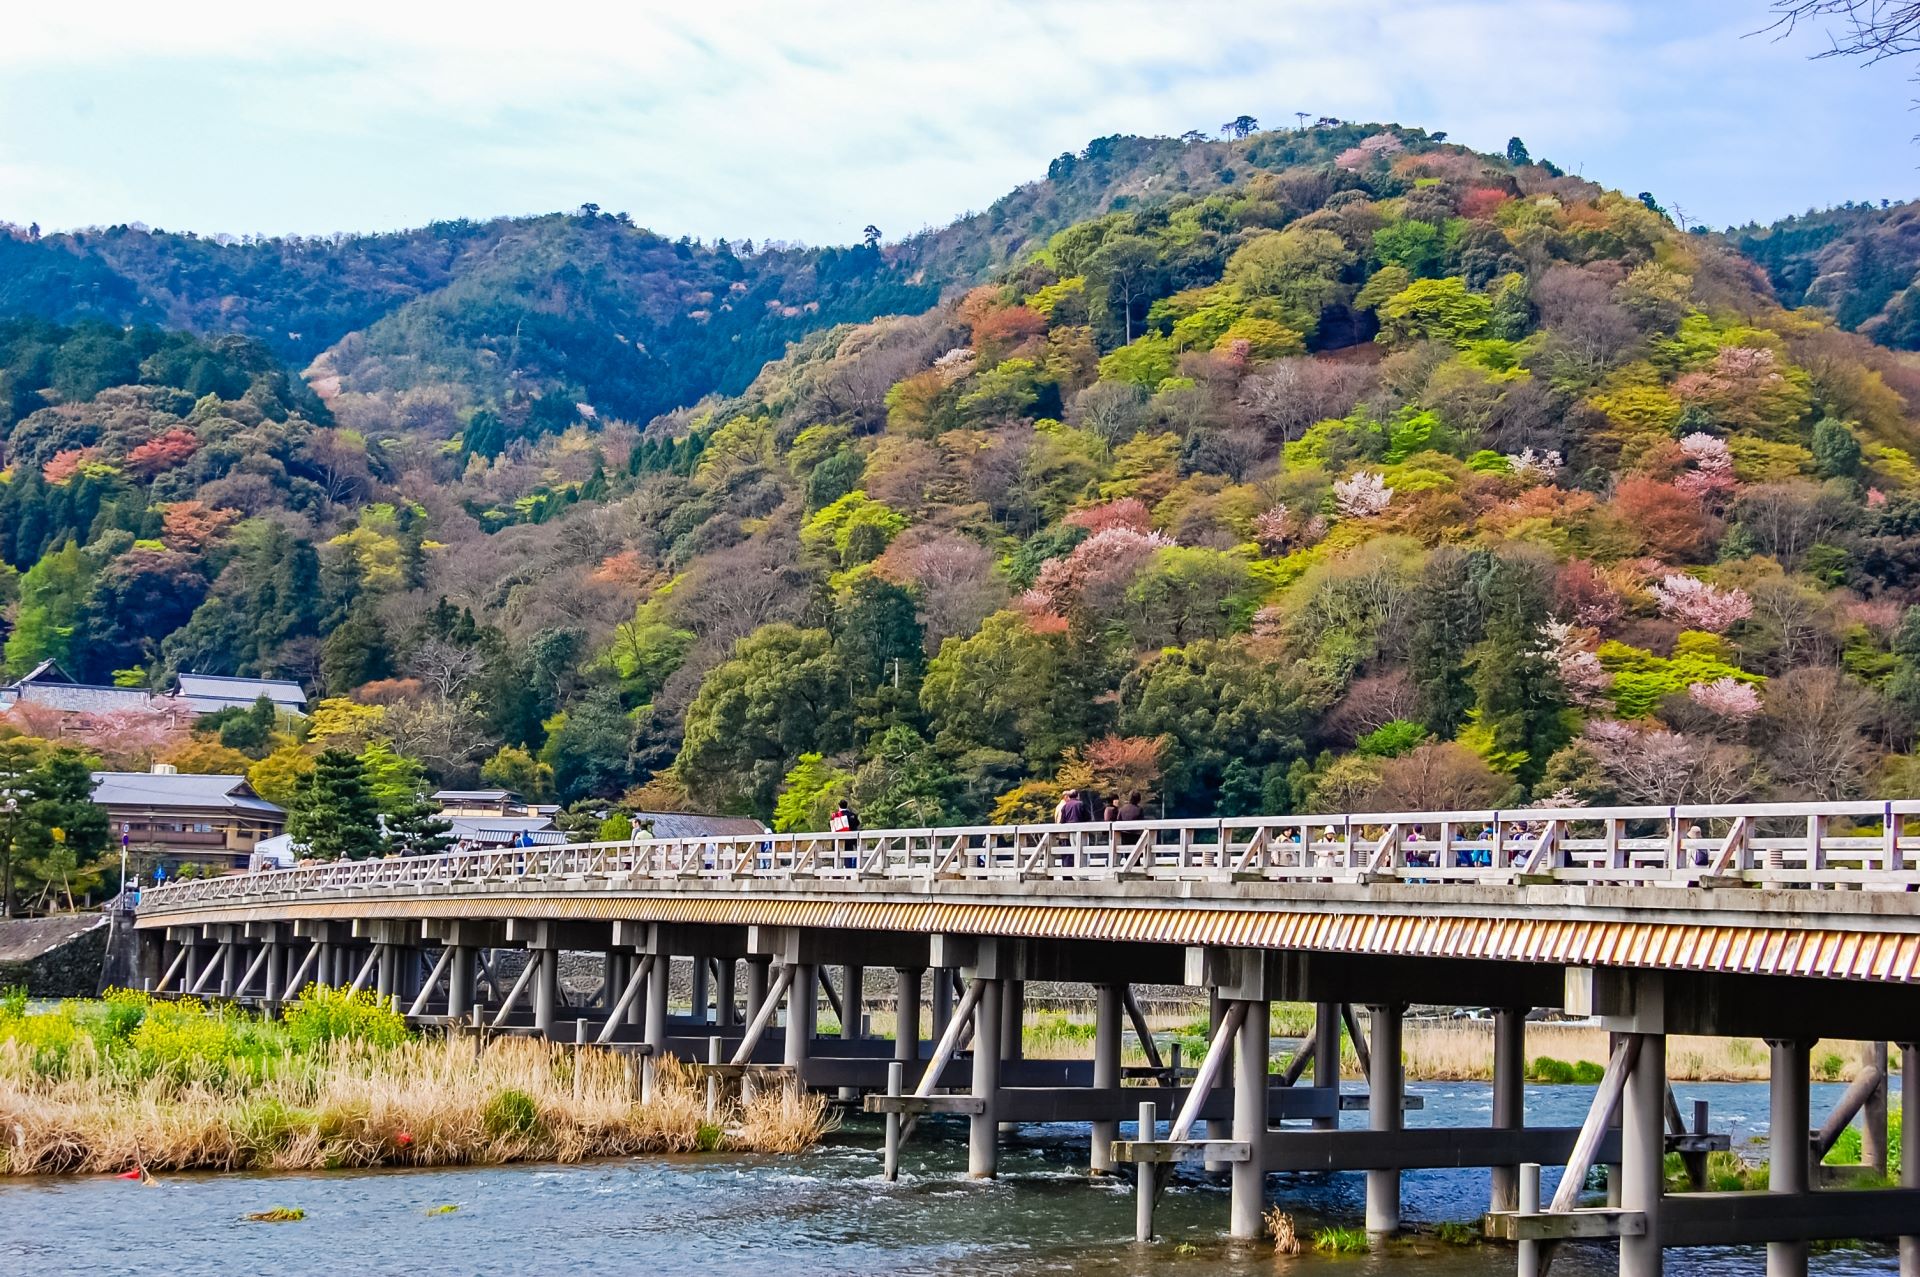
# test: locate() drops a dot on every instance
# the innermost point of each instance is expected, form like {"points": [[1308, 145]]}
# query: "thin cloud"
{"points": [[805, 120]]}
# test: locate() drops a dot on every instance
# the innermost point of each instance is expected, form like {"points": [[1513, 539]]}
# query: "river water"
{"points": [[825, 1212]]}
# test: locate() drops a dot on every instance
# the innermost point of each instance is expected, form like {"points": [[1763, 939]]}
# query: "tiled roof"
{"points": [[210, 692], [76, 698], [682, 824], [214, 793]]}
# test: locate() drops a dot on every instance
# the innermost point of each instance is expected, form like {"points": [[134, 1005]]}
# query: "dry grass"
{"points": [[421, 1102], [1279, 1225], [1462, 1051]]}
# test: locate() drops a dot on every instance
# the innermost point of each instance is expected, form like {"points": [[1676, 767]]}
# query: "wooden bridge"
{"points": [[1788, 922]]}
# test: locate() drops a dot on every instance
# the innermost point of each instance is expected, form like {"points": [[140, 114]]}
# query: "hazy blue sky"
{"points": [[802, 120]]}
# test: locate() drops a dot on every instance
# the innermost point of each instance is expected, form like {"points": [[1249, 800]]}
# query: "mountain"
{"points": [[1858, 262], [1329, 470]]}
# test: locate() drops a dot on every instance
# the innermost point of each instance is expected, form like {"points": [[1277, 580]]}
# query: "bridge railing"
{"points": [[1859, 845]]}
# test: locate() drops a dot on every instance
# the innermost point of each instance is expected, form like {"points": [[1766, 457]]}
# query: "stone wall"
{"points": [[57, 957]]}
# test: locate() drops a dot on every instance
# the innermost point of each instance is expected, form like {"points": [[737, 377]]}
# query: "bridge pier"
{"points": [[802, 1007], [1909, 1163], [1386, 1086], [1106, 1071], [1509, 1096], [983, 1128], [1643, 1151], [1326, 1057], [757, 966], [702, 993], [1250, 1073], [1788, 1152], [726, 1000]]}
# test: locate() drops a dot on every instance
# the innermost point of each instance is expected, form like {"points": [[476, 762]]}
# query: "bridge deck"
{"points": [[1814, 889]]}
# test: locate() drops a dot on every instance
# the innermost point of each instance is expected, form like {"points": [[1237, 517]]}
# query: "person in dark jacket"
{"points": [[1130, 809]]}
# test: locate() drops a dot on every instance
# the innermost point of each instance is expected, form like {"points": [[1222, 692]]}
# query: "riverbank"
{"points": [[1460, 1050], [107, 1086]]}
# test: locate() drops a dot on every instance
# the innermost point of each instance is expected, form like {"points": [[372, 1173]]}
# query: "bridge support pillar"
{"points": [[546, 988], [853, 981], [702, 989], [1509, 1096], [726, 993], [983, 1128], [757, 966], [1013, 1019], [229, 960], [1216, 1011], [942, 1002], [1909, 1132], [906, 1015], [1106, 1071], [852, 999], [1326, 1058], [276, 974], [386, 972], [658, 984], [1643, 1154], [802, 993], [460, 983], [1252, 1049], [1788, 1149], [1386, 1084]]}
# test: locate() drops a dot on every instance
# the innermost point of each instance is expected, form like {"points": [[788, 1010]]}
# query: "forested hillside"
{"points": [[1334, 470], [1858, 262]]}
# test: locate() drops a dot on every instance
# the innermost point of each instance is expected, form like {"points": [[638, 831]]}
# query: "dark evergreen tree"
{"points": [[334, 815]]}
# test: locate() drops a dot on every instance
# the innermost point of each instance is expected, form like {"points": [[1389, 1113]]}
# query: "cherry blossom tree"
{"points": [[1128, 512], [1726, 697], [1280, 530], [1362, 495], [1711, 478], [1565, 647], [1700, 606], [1096, 573], [1544, 465]]}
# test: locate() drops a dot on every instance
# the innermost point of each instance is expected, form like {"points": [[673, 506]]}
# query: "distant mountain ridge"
{"points": [[582, 307]]}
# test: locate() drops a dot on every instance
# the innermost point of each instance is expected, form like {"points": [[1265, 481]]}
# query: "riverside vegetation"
{"points": [[129, 1081]]}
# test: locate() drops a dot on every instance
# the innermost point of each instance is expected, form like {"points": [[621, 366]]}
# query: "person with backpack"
{"points": [[845, 820]]}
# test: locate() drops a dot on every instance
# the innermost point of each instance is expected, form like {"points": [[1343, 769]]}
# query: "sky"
{"points": [[803, 121]]}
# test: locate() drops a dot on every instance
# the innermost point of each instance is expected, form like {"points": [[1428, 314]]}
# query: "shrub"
{"points": [[1458, 1234], [1553, 1072], [321, 1015], [511, 1113], [1588, 1073]]}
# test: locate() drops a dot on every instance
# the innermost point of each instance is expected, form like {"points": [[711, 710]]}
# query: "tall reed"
{"points": [[96, 1087]]}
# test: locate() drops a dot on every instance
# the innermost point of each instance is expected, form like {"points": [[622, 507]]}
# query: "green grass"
{"points": [[447, 1208], [1454, 1233], [511, 1112], [1846, 1150], [1340, 1241], [278, 1215]]}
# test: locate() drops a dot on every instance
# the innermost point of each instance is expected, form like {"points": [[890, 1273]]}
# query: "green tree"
{"points": [[1186, 593], [1299, 271], [1517, 152], [60, 834], [1011, 687], [334, 815], [783, 693], [808, 795], [1436, 309], [514, 767], [1213, 702], [589, 748], [53, 595], [1835, 450]]}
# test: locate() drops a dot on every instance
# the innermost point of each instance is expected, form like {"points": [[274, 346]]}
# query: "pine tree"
{"points": [[334, 815], [416, 828]]}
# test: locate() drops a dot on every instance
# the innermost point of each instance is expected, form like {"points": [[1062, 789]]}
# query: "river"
{"points": [[826, 1212]]}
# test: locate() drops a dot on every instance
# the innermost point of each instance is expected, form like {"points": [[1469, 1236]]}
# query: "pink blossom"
{"points": [[1536, 465], [1279, 530], [1700, 606], [1128, 512], [1101, 566], [1727, 697], [1362, 494], [1579, 670]]}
